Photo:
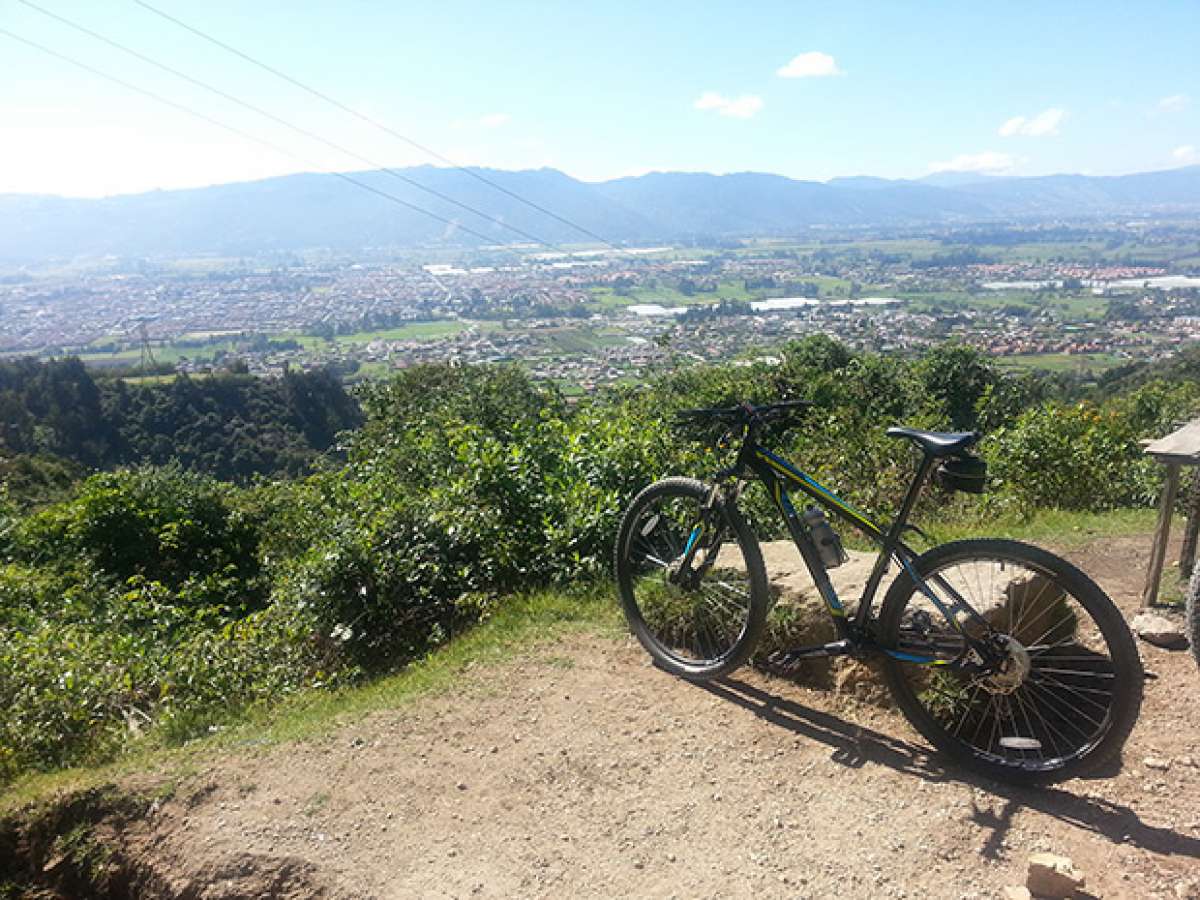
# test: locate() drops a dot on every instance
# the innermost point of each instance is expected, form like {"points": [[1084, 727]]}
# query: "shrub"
{"points": [[1088, 456], [164, 525]]}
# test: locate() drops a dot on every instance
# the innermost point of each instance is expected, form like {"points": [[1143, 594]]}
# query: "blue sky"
{"points": [[601, 90]]}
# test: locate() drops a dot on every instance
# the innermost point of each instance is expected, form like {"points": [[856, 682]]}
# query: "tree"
{"points": [[953, 377]]}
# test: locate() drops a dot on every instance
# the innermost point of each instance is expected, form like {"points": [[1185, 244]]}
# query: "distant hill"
{"points": [[317, 210]]}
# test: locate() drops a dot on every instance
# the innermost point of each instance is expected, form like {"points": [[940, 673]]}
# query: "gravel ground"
{"points": [[580, 770]]}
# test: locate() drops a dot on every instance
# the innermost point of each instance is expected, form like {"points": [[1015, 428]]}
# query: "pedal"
{"points": [[782, 662], [791, 658]]}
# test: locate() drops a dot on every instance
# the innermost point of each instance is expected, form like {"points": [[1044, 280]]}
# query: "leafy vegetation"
{"points": [[55, 416], [160, 601]]}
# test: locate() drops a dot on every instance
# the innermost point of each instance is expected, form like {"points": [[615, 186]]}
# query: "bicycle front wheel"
{"points": [[691, 580], [1069, 690]]}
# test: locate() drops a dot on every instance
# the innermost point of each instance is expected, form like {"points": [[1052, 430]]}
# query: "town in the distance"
{"points": [[1060, 296]]}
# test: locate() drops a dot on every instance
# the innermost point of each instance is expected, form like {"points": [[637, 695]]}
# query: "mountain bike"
{"points": [[1004, 656]]}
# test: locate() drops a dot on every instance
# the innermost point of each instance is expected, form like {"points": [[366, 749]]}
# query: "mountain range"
{"points": [[297, 212]]}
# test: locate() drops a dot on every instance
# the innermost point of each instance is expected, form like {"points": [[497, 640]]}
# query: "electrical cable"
{"points": [[240, 133], [377, 124], [281, 121]]}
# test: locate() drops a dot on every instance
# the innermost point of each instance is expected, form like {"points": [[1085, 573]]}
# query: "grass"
{"points": [[522, 622], [1058, 528], [1172, 586]]}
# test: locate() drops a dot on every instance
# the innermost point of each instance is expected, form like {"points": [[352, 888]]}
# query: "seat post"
{"points": [[892, 538], [910, 500]]}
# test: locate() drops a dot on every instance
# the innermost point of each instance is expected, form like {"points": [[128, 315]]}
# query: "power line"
{"points": [[242, 134], [377, 124], [297, 128]]}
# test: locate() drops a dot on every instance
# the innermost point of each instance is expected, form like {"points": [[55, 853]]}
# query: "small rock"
{"points": [[462, 785], [1159, 630], [1051, 875], [1016, 892], [1154, 762]]}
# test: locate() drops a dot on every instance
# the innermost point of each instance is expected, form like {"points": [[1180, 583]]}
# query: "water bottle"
{"points": [[829, 545]]}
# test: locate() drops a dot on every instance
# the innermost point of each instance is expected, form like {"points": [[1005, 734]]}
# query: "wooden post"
{"points": [[1162, 533], [1187, 555], [1179, 448]]}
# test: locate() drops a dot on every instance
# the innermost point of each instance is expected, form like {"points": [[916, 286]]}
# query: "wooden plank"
{"points": [[1162, 533], [1182, 443]]}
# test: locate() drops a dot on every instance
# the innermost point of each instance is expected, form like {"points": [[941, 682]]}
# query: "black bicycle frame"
{"points": [[778, 475]]}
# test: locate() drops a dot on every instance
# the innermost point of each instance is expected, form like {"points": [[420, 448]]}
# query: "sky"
{"points": [[602, 90]]}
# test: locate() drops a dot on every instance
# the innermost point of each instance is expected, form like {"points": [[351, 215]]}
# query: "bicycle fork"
{"points": [[705, 527]]}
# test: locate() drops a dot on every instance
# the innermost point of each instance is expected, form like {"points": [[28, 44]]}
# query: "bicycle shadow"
{"points": [[855, 745]]}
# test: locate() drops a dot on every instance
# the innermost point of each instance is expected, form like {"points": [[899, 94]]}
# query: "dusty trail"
{"points": [[580, 770]]}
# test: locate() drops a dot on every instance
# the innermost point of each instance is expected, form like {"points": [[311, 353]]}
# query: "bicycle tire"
{"points": [[1081, 689], [689, 632], [1192, 610]]}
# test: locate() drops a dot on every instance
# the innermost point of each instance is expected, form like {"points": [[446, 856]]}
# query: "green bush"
{"points": [[164, 525], [1089, 456]]}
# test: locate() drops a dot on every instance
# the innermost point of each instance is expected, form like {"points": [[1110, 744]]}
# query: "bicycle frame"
{"points": [[777, 476]]}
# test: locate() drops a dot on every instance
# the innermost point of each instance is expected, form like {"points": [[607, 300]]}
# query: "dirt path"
{"points": [[582, 771]]}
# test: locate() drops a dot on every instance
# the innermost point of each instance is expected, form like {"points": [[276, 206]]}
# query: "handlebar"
{"points": [[743, 414]]}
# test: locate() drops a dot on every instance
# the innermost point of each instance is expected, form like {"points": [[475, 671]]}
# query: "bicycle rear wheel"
{"points": [[1192, 605], [1071, 687], [701, 620]]}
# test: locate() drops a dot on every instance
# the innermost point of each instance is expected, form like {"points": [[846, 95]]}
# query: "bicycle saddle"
{"points": [[937, 443]]}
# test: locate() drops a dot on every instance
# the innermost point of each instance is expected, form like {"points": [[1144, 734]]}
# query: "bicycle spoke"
{"points": [[1029, 724], [1052, 683], [970, 705], [1049, 729], [1084, 673], [1056, 702]]}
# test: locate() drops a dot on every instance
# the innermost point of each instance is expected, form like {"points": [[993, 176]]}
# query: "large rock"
{"points": [[1051, 875], [1157, 629]]}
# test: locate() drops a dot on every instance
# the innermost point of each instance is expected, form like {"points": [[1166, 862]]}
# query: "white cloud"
{"points": [[1187, 154], [709, 100], [495, 120], [989, 162], [742, 107], [1044, 123], [1174, 103], [813, 64]]}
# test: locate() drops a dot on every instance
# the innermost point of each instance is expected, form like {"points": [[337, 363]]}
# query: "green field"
{"points": [[203, 346], [417, 331], [1063, 362]]}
